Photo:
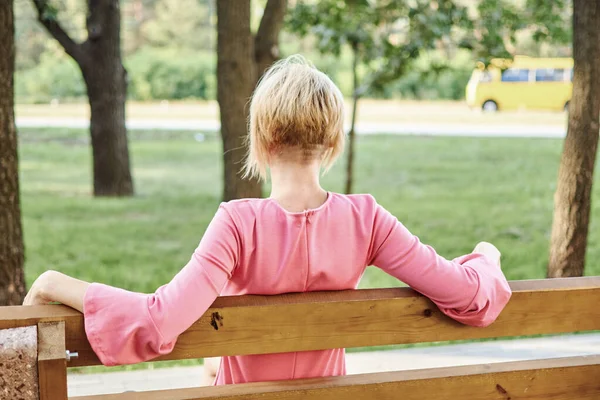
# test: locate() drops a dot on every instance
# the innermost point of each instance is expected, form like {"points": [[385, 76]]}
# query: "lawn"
{"points": [[451, 192]]}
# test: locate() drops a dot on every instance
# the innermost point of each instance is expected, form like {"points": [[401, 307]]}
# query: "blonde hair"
{"points": [[294, 107]]}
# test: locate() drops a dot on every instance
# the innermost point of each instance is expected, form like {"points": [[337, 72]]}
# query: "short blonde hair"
{"points": [[295, 106]]}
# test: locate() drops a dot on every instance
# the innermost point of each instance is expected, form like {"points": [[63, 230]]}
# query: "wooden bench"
{"points": [[315, 321]]}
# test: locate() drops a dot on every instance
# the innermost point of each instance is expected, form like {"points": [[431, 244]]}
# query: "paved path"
{"points": [[395, 360], [401, 128]]}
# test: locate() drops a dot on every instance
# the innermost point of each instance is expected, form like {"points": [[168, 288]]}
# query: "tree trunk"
{"points": [[267, 37], [352, 133], [236, 77], [99, 59], [106, 82], [572, 199], [12, 281]]}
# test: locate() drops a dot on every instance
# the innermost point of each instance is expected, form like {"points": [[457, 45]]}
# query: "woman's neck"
{"points": [[296, 186]]}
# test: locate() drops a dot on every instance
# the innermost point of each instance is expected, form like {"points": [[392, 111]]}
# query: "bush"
{"points": [[53, 78], [154, 74], [169, 74]]}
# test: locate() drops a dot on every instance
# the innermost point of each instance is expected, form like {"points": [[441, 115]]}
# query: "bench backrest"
{"points": [[324, 320]]}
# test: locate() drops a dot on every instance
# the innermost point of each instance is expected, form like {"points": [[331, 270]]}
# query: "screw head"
{"points": [[70, 355]]}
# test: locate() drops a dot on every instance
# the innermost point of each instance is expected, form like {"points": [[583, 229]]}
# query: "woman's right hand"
{"points": [[488, 250], [54, 287], [39, 294]]}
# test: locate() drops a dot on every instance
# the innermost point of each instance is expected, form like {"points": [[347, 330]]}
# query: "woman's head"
{"points": [[296, 111]]}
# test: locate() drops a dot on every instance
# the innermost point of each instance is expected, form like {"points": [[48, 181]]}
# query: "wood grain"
{"points": [[322, 320], [52, 364], [574, 378]]}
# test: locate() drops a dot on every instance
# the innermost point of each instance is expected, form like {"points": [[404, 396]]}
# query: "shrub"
{"points": [[168, 74], [53, 78]]}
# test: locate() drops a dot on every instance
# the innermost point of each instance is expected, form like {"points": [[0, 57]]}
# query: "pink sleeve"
{"points": [[126, 328], [470, 289]]}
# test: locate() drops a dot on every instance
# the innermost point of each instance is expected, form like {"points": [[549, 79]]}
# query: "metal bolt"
{"points": [[71, 355]]}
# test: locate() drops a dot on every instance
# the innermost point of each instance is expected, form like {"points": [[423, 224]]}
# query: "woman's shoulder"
{"points": [[361, 203], [244, 206], [359, 199]]}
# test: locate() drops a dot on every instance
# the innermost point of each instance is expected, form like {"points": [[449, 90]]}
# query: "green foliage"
{"points": [[493, 28], [155, 74], [386, 36], [51, 79], [180, 24], [168, 45], [182, 67], [551, 19], [494, 25], [336, 67], [170, 74], [432, 78], [389, 36]]}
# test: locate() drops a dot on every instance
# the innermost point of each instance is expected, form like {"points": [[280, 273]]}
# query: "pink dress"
{"points": [[254, 246]]}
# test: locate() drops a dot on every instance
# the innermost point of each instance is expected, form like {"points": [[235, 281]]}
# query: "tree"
{"points": [[266, 42], [99, 58], [12, 280], [384, 36], [494, 26], [241, 57], [572, 200]]}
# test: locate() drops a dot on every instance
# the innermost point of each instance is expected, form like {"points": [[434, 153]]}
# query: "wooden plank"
{"points": [[575, 378], [52, 363], [322, 320]]}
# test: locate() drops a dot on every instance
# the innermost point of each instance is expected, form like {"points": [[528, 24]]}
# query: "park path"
{"points": [[365, 362], [365, 128]]}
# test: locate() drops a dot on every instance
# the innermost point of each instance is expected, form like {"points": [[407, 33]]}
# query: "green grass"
{"points": [[451, 192]]}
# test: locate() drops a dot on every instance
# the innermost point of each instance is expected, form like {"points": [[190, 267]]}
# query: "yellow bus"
{"points": [[522, 83]]}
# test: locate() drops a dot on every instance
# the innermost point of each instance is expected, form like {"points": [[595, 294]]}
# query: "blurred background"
{"points": [[169, 50]]}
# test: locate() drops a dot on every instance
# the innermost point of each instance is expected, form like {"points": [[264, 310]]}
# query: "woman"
{"points": [[302, 238]]}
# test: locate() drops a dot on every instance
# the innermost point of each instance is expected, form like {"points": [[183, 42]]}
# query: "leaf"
{"points": [[49, 11]]}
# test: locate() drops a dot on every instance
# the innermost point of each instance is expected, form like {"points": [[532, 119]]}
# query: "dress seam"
{"points": [[306, 217]]}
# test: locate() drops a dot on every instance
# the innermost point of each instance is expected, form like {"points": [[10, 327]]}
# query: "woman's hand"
{"points": [[39, 292], [488, 250], [53, 286]]}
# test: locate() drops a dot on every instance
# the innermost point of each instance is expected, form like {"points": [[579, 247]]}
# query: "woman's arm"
{"points": [[470, 289], [124, 327], [53, 286]]}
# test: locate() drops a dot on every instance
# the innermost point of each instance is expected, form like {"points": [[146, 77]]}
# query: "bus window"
{"points": [[485, 77], [515, 75], [571, 75], [549, 75]]}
